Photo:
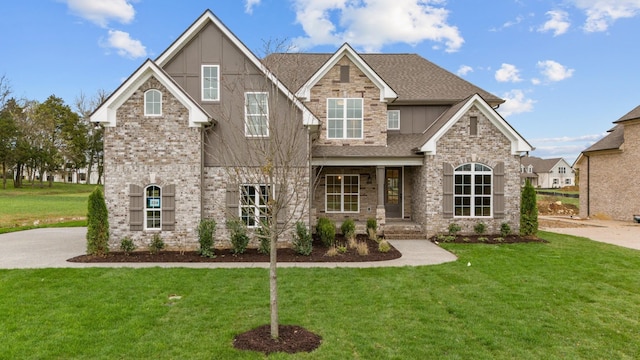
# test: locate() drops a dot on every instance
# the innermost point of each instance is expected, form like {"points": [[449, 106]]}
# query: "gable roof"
{"points": [[611, 141], [541, 165], [199, 24], [440, 127], [412, 77], [106, 112], [631, 115], [386, 92]]}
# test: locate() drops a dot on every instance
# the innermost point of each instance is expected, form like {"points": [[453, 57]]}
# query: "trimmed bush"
{"points": [[206, 229], [454, 229], [326, 230], [264, 240], [480, 228], [302, 240], [372, 223], [97, 224], [157, 244], [127, 246], [528, 211], [239, 237], [348, 228], [505, 230]]}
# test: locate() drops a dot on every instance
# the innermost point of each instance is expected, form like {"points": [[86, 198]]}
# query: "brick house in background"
{"points": [[547, 173], [608, 172], [386, 136]]}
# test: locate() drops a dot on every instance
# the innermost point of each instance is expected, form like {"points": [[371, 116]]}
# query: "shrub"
{"points": [[238, 235], [454, 228], [372, 223], [206, 229], [480, 228], [348, 228], [302, 240], [362, 248], [498, 239], [384, 246], [341, 249], [483, 239], [127, 246], [156, 244], [373, 234], [528, 211], [352, 243], [332, 251], [326, 230], [264, 240], [505, 229], [97, 224]]}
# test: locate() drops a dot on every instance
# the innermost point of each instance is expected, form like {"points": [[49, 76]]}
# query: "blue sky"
{"points": [[567, 68]]}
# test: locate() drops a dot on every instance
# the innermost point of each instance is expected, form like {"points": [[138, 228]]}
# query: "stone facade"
{"points": [[359, 86], [458, 147], [153, 150], [607, 179]]}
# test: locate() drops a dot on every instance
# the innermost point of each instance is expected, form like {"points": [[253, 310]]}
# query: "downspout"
{"points": [[588, 185], [311, 175]]}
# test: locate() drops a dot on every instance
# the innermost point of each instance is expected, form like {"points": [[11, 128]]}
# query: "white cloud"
{"points": [[250, 4], [558, 22], [554, 71], [591, 137], [536, 81], [125, 45], [603, 13], [464, 70], [374, 23], [101, 12], [508, 73], [515, 103]]}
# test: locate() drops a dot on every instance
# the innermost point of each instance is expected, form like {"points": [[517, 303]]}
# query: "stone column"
{"points": [[380, 212]]}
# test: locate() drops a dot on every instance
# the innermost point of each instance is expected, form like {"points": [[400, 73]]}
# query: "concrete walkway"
{"points": [[51, 247], [621, 233]]}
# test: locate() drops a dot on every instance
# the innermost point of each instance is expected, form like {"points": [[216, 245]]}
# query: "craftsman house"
{"points": [[208, 130], [607, 172], [552, 173]]}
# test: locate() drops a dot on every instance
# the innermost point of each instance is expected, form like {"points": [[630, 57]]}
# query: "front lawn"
{"points": [[570, 298]]}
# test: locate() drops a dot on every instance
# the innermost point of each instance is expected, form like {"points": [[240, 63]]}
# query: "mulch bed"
{"points": [[292, 339], [319, 254], [486, 239]]}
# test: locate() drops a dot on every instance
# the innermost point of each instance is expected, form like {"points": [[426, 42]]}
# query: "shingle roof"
{"points": [[398, 145], [539, 165], [612, 141], [631, 115], [412, 77]]}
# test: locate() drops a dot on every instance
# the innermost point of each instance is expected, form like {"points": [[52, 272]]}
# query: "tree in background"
{"points": [[97, 224], [528, 210], [8, 137], [85, 106]]}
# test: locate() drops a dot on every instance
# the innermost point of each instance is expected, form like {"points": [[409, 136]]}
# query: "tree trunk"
{"points": [[273, 279], [4, 175]]}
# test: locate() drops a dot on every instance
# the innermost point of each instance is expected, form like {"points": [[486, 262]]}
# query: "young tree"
{"points": [[528, 210], [97, 224]]}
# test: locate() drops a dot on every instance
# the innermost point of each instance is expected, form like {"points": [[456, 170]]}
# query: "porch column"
{"points": [[380, 212]]}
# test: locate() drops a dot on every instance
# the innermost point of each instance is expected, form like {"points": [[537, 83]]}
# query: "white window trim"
{"points": [[394, 112], [146, 209], [202, 82], [344, 120], [341, 211], [145, 102], [473, 192], [255, 207], [246, 115]]}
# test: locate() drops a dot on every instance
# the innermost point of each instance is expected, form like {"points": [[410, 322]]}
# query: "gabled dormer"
{"points": [[350, 98]]}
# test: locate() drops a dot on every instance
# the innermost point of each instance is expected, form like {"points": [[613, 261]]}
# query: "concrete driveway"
{"points": [[51, 247], [621, 233]]}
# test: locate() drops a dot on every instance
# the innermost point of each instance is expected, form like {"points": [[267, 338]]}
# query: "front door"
{"points": [[393, 192]]}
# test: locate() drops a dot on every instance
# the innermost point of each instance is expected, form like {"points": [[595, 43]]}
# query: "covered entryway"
{"points": [[393, 192]]}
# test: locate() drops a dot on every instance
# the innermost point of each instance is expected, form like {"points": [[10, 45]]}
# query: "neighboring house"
{"points": [[386, 136], [608, 172], [547, 173]]}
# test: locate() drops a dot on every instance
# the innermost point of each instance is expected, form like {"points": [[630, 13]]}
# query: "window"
{"points": [[393, 119], [567, 181], [253, 204], [210, 83], [256, 122], [530, 169], [472, 190], [152, 103], [344, 118], [562, 170], [152, 208], [555, 182], [342, 193]]}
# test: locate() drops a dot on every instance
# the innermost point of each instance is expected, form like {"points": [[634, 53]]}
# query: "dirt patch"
{"points": [[557, 207], [319, 254], [292, 339]]}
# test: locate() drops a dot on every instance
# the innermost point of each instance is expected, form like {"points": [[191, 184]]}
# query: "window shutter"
{"points": [[344, 73], [168, 207], [233, 200], [136, 208], [447, 191], [498, 191]]}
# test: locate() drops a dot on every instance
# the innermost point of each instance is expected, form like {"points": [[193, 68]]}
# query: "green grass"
{"points": [[571, 298], [30, 207]]}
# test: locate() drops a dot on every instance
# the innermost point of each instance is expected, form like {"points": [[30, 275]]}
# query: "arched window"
{"points": [[473, 190], [152, 103], [152, 208]]}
